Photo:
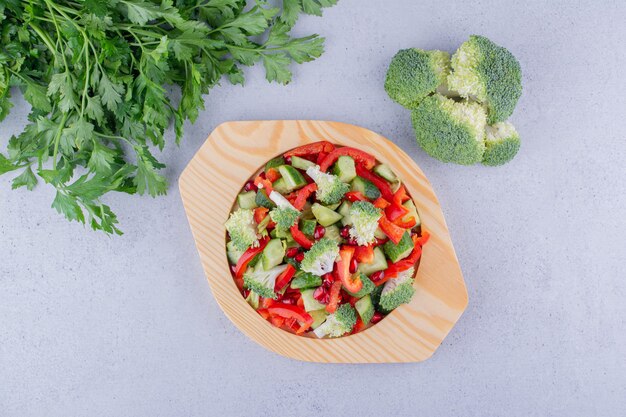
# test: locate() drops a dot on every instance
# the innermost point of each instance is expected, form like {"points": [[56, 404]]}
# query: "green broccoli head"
{"points": [[339, 323], [330, 189], [414, 73], [261, 281], [242, 229], [450, 131], [489, 74], [284, 217], [320, 259], [501, 144], [364, 217], [397, 291]]}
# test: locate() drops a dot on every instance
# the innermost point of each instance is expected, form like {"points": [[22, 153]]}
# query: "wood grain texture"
{"points": [[209, 186]]}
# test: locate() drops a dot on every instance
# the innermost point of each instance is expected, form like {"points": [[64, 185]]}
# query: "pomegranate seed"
{"points": [[319, 233], [245, 293], [353, 265], [262, 175], [288, 159], [291, 252], [377, 276], [320, 294], [288, 301], [299, 257], [250, 186], [376, 317], [328, 280], [345, 232], [352, 242]]}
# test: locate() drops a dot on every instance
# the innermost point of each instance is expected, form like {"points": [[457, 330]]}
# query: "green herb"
{"points": [[98, 74]]}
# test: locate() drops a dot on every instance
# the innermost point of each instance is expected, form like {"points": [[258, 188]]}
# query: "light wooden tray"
{"points": [[209, 186]]}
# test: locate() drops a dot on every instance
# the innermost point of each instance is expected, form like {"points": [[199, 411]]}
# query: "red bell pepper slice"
{"points": [[266, 302], [288, 311], [277, 320], [393, 231], [248, 255], [367, 160], [409, 224], [381, 203], [333, 299], [320, 157], [299, 237], [351, 283], [423, 239], [364, 254], [264, 313], [260, 213], [358, 326], [311, 148], [272, 174], [303, 194], [396, 211], [380, 183], [284, 278], [261, 182], [400, 196], [355, 196]]}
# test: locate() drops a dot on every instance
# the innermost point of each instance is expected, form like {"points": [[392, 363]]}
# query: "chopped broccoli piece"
{"points": [[450, 131], [502, 143], [414, 74], [397, 291], [284, 217], [280, 200], [364, 218], [338, 323], [489, 74], [261, 281], [242, 229], [320, 258], [330, 189]]}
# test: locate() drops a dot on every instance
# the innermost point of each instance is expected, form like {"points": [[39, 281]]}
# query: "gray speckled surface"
{"points": [[92, 325]]}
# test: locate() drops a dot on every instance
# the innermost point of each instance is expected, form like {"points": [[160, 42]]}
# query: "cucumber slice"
{"points": [[280, 186], [232, 253], [401, 250], [263, 200], [247, 200], [368, 287], [273, 254], [253, 300], [325, 216], [379, 263], [293, 178], [365, 187], [379, 234], [308, 227], [412, 213], [332, 206], [301, 163], [274, 163], [375, 296], [319, 317], [344, 210], [384, 171], [303, 280], [333, 233], [310, 303], [365, 308], [344, 169]]}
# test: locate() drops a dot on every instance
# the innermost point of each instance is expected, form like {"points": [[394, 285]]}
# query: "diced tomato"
{"points": [[248, 255], [300, 237], [311, 148], [260, 213], [367, 160], [272, 174], [303, 194], [283, 279], [355, 196], [364, 254], [381, 203], [351, 283], [262, 182], [333, 300], [393, 231], [380, 183]]}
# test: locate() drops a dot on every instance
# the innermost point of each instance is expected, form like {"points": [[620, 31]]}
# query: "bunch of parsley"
{"points": [[97, 72]]}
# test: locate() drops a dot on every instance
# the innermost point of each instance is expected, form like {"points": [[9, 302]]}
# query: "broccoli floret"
{"points": [[501, 144], [338, 323], [397, 291], [284, 217], [330, 189], [364, 217], [487, 73], [414, 73], [450, 131], [242, 229], [320, 258], [261, 281]]}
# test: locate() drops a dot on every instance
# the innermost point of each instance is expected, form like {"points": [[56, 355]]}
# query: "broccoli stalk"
{"points": [[284, 214], [502, 143], [242, 230], [414, 74], [262, 282], [364, 217], [489, 74], [338, 323], [397, 291], [330, 189], [450, 131], [320, 259]]}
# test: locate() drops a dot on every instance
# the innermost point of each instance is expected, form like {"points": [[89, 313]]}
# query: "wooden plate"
{"points": [[209, 186]]}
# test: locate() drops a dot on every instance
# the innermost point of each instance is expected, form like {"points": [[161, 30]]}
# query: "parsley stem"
{"points": [[57, 139]]}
